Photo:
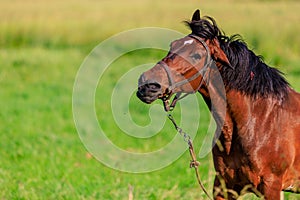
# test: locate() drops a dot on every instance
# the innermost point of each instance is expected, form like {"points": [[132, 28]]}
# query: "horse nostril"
{"points": [[153, 87], [149, 88]]}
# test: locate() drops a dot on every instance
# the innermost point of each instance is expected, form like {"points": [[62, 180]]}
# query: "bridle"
{"points": [[172, 84]]}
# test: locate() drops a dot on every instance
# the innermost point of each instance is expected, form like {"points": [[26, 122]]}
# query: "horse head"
{"points": [[183, 69]]}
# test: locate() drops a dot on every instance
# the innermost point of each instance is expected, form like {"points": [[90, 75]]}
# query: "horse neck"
{"points": [[234, 110], [226, 105], [221, 100], [243, 108], [230, 105]]}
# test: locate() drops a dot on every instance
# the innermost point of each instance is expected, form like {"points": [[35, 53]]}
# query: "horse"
{"points": [[259, 142]]}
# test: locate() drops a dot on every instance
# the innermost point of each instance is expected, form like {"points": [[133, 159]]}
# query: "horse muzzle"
{"points": [[148, 90]]}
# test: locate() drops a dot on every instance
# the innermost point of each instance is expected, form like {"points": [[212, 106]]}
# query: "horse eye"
{"points": [[196, 56]]}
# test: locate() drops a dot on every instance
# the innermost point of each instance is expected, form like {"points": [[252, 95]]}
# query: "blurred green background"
{"points": [[42, 45]]}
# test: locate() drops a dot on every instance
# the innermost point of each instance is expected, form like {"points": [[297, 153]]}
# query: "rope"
{"points": [[194, 163]]}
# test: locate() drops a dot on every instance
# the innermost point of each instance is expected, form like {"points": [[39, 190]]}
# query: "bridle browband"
{"points": [[173, 84]]}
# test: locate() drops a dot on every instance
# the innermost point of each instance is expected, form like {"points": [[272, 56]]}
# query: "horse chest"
{"points": [[235, 167]]}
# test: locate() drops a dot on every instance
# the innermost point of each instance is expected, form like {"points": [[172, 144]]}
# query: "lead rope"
{"points": [[194, 163]]}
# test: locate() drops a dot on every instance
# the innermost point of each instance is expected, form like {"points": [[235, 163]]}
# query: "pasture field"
{"points": [[42, 45]]}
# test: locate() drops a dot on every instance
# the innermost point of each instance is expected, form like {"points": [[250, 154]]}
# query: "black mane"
{"points": [[250, 74]]}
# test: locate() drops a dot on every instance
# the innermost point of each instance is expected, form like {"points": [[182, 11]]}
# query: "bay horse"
{"points": [[259, 142]]}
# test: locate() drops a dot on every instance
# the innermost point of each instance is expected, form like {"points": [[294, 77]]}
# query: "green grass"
{"points": [[42, 45]]}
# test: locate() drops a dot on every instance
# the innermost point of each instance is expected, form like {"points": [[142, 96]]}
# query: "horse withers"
{"points": [[259, 147]]}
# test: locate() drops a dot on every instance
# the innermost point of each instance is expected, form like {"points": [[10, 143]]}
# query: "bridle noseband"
{"points": [[173, 84]]}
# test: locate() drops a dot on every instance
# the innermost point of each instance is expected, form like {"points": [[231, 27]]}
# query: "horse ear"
{"points": [[196, 15], [218, 54]]}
